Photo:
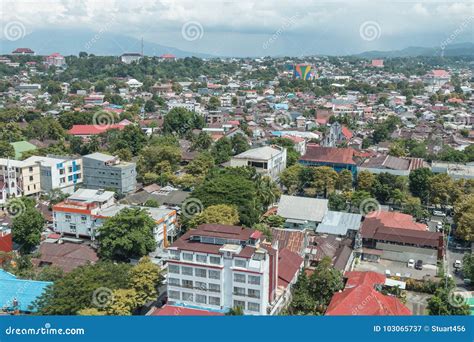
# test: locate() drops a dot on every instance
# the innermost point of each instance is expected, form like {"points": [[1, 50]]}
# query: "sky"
{"points": [[253, 27]]}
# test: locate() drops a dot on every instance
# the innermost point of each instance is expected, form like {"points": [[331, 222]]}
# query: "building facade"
{"points": [[219, 267], [18, 178], [268, 160], [102, 171], [58, 173]]}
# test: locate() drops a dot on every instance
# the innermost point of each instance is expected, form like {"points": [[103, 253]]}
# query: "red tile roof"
{"points": [[395, 219], [93, 129], [171, 310], [6, 242], [347, 133], [329, 154], [360, 298], [167, 55], [289, 264], [66, 256]]}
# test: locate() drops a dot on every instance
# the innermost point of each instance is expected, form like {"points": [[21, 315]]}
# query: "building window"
{"points": [[254, 293], [31, 178], [214, 301], [239, 278], [215, 260], [253, 307], [174, 295], [214, 274], [175, 254], [173, 281], [202, 299], [254, 280], [239, 303], [199, 285], [187, 283], [188, 256], [187, 270], [72, 228], [239, 291], [30, 169], [83, 217], [200, 272], [240, 263], [214, 287], [173, 269], [201, 258], [187, 296]]}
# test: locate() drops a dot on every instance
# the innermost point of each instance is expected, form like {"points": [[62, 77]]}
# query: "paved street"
{"points": [[396, 267]]}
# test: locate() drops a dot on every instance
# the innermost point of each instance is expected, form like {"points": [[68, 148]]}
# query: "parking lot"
{"points": [[396, 267]]}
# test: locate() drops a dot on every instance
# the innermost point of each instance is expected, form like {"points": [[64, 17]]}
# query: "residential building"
{"points": [[65, 255], [58, 173], [393, 165], [102, 171], [396, 236], [18, 178], [340, 223], [454, 170], [86, 131], [23, 51], [219, 267], [6, 240], [302, 212], [56, 60], [337, 158], [192, 106], [32, 88], [267, 160], [130, 57], [361, 298]]}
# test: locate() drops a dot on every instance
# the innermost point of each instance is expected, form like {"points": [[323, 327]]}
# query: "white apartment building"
{"points": [[267, 160], [219, 267], [60, 173], [18, 178], [85, 211], [188, 105]]}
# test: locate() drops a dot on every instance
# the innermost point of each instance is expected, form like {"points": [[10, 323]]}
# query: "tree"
{"points": [[235, 311], [145, 278], [290, 178], [337, 202], [325, 179], [6, 150], [181, 121], [265, 229], [413, 207], [276, 221], [441, 189], [127, 235], [441, 304], [150, 106], [419, 183], [27, 225], [88, 286], [91, 312], [302, 302], [464, 217], [221, 214], [123, 302], [158, 158], [239, 144], [365, 181], [222, 150], [344, 180], [202, 142], [201, 165], [214, 103]]}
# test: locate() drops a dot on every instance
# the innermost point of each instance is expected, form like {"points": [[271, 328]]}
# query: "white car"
{"points": [[457, 264], [439, 227], [387, 273], [439, 213], [411, 263]]}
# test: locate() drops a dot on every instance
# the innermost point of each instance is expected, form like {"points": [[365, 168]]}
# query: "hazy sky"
{"points": [[255, 28]]}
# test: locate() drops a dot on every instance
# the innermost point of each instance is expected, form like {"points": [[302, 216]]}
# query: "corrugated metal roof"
{"points": [[302, 208], [338, 223]]}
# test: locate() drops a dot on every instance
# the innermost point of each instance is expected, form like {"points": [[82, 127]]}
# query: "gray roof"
{"points": [[259, 153], [337, 223], [99, 156], [302, 208]]}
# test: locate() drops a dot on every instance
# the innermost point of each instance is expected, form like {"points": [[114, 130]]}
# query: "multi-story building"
{"points": [[18, 178], [102, 171], [85, 211], [130, 57], [60, 173], [219, 267], [56, 60], [267, 160]]}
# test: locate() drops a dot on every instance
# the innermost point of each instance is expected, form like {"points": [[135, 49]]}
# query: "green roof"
{"points": [[22, 146]]}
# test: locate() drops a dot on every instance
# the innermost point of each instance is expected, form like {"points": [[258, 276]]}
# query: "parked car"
{"points": [[439, 227], [387, 273], [419, 265], [411, 263], [439, 213], [457, 264]]}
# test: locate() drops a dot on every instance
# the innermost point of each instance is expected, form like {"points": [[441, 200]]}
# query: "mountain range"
{"points": [[72, 41]]}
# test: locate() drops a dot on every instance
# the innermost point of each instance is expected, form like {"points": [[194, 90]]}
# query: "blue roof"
{"points": [[24, 291]]}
